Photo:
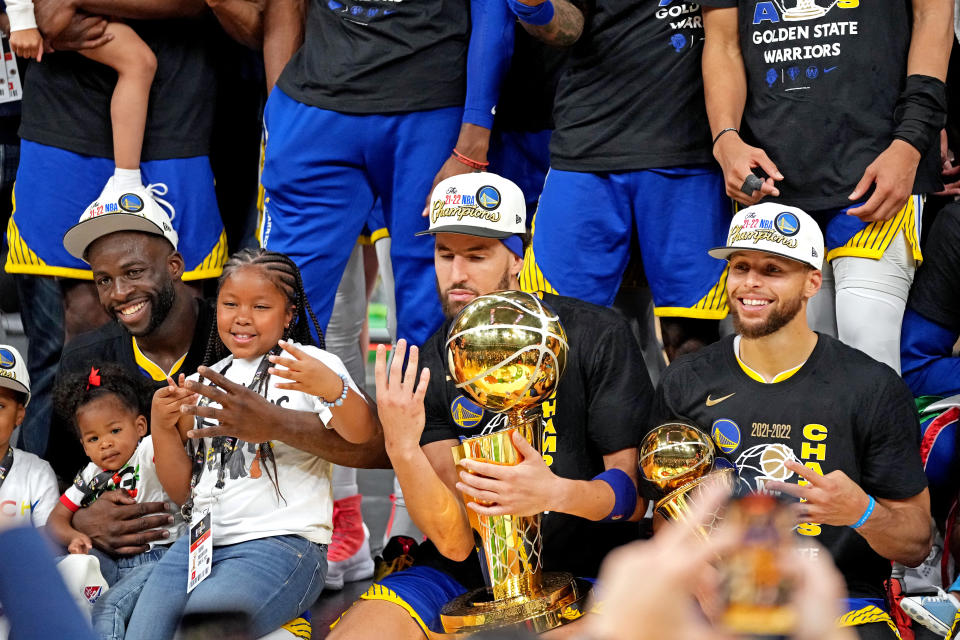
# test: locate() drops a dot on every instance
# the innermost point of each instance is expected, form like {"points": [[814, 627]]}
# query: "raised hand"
{"points": [[738, 160], [399, 403], [307, 374]]}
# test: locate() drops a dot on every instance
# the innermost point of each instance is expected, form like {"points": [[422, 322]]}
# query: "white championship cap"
{"points": [[119, 210], [477, 204], [13, 371], [774, 228]]}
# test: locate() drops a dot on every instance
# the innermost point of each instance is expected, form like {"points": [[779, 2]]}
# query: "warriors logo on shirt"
{"points": [[726, 433], [466, 413]]}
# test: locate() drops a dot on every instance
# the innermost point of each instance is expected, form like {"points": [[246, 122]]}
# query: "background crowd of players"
{"points": [[318, 130]]}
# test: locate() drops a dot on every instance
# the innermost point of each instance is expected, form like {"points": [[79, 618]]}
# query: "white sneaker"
{"points": [[936, 613]]}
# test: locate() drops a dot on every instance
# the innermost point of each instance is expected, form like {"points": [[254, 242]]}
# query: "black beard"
{"points": [[777, 319], [450, 310], [160, 305]]}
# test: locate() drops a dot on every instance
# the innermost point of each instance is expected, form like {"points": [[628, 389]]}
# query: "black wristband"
{"points": [[921, 112], [723, 131]]}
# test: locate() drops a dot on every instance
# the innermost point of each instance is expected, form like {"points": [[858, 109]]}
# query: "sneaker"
{"points": [[398, 554], [936, 613], [135, 209], [348, 557]]}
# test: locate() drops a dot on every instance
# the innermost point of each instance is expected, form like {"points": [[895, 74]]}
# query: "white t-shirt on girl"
{"points": [[29, 493], [139, 477], [247, 506]]}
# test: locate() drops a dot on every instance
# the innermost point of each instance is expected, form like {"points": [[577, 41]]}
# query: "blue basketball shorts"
{"points": [[54, 187], [421, 591], [583, 228], [324, 170]]}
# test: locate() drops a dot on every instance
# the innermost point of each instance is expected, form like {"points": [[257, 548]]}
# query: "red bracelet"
{"points": [[473, 164]]}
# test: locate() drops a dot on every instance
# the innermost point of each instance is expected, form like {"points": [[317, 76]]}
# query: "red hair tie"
{"points": [[94, 378]]}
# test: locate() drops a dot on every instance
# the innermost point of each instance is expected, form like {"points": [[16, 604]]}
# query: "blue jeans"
{"points": [[126, 576], [271, 580]]}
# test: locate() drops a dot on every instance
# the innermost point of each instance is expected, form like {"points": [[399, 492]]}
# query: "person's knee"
{"points": [[138, 63], [375, 620], [686, 335]]}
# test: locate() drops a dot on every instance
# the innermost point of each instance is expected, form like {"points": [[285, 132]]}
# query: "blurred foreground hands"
{"points": [[668, 587]]}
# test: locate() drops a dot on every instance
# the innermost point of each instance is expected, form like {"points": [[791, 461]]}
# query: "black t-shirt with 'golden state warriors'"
{"points": [[600, 407], [381, 56], [631, 95], [841, 411], [823, 78], [66, 98]]}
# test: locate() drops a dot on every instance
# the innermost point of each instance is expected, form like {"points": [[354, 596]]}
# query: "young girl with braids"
{"points": [[269, 505], [108, 408]]}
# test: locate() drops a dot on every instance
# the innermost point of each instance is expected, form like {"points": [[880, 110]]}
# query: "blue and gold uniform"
{"points": [[66, 154]]}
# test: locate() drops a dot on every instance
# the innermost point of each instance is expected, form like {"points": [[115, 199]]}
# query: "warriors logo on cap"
{"points": [[477, 204], [7, 359], [787, 223], [488, 197], [131, 202]]}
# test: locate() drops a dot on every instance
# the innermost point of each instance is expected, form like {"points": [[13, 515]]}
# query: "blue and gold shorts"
{"points": [[55, 186]]}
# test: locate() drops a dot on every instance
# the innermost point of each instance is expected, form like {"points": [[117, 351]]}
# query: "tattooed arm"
{"points": [[565, 28]]}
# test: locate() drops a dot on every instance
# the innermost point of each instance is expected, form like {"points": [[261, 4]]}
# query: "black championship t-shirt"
{"points": [[600, 407], [631, 96], [841, 410], [823, 79], [381, 56], [935, 293], [66, 98]]}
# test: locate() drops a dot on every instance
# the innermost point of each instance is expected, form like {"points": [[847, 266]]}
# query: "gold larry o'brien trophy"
{"points": [[507, 350], [678, 458]]}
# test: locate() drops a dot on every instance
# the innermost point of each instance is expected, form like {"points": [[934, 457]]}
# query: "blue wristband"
{"points": [[538, 16], [624, 491], [866, 514]]}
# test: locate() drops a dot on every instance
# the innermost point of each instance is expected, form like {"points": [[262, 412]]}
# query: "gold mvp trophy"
{"points": [[678, 458], [507, 350]]}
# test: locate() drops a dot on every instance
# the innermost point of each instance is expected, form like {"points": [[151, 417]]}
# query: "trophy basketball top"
{"points": [[507, 349], [675, 453]]}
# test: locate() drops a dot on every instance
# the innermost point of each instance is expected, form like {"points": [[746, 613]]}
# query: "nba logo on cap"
{"points": [[726, 433]]}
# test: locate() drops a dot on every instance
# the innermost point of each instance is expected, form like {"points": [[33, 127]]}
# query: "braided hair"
{"points": [[284, 274], [77, 389]]}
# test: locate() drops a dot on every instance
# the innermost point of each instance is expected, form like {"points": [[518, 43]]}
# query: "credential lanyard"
{"points": [[228, 444], [6, 464]]}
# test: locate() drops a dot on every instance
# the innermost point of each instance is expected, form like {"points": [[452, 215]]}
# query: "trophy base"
{"points": [[562, 601]]}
